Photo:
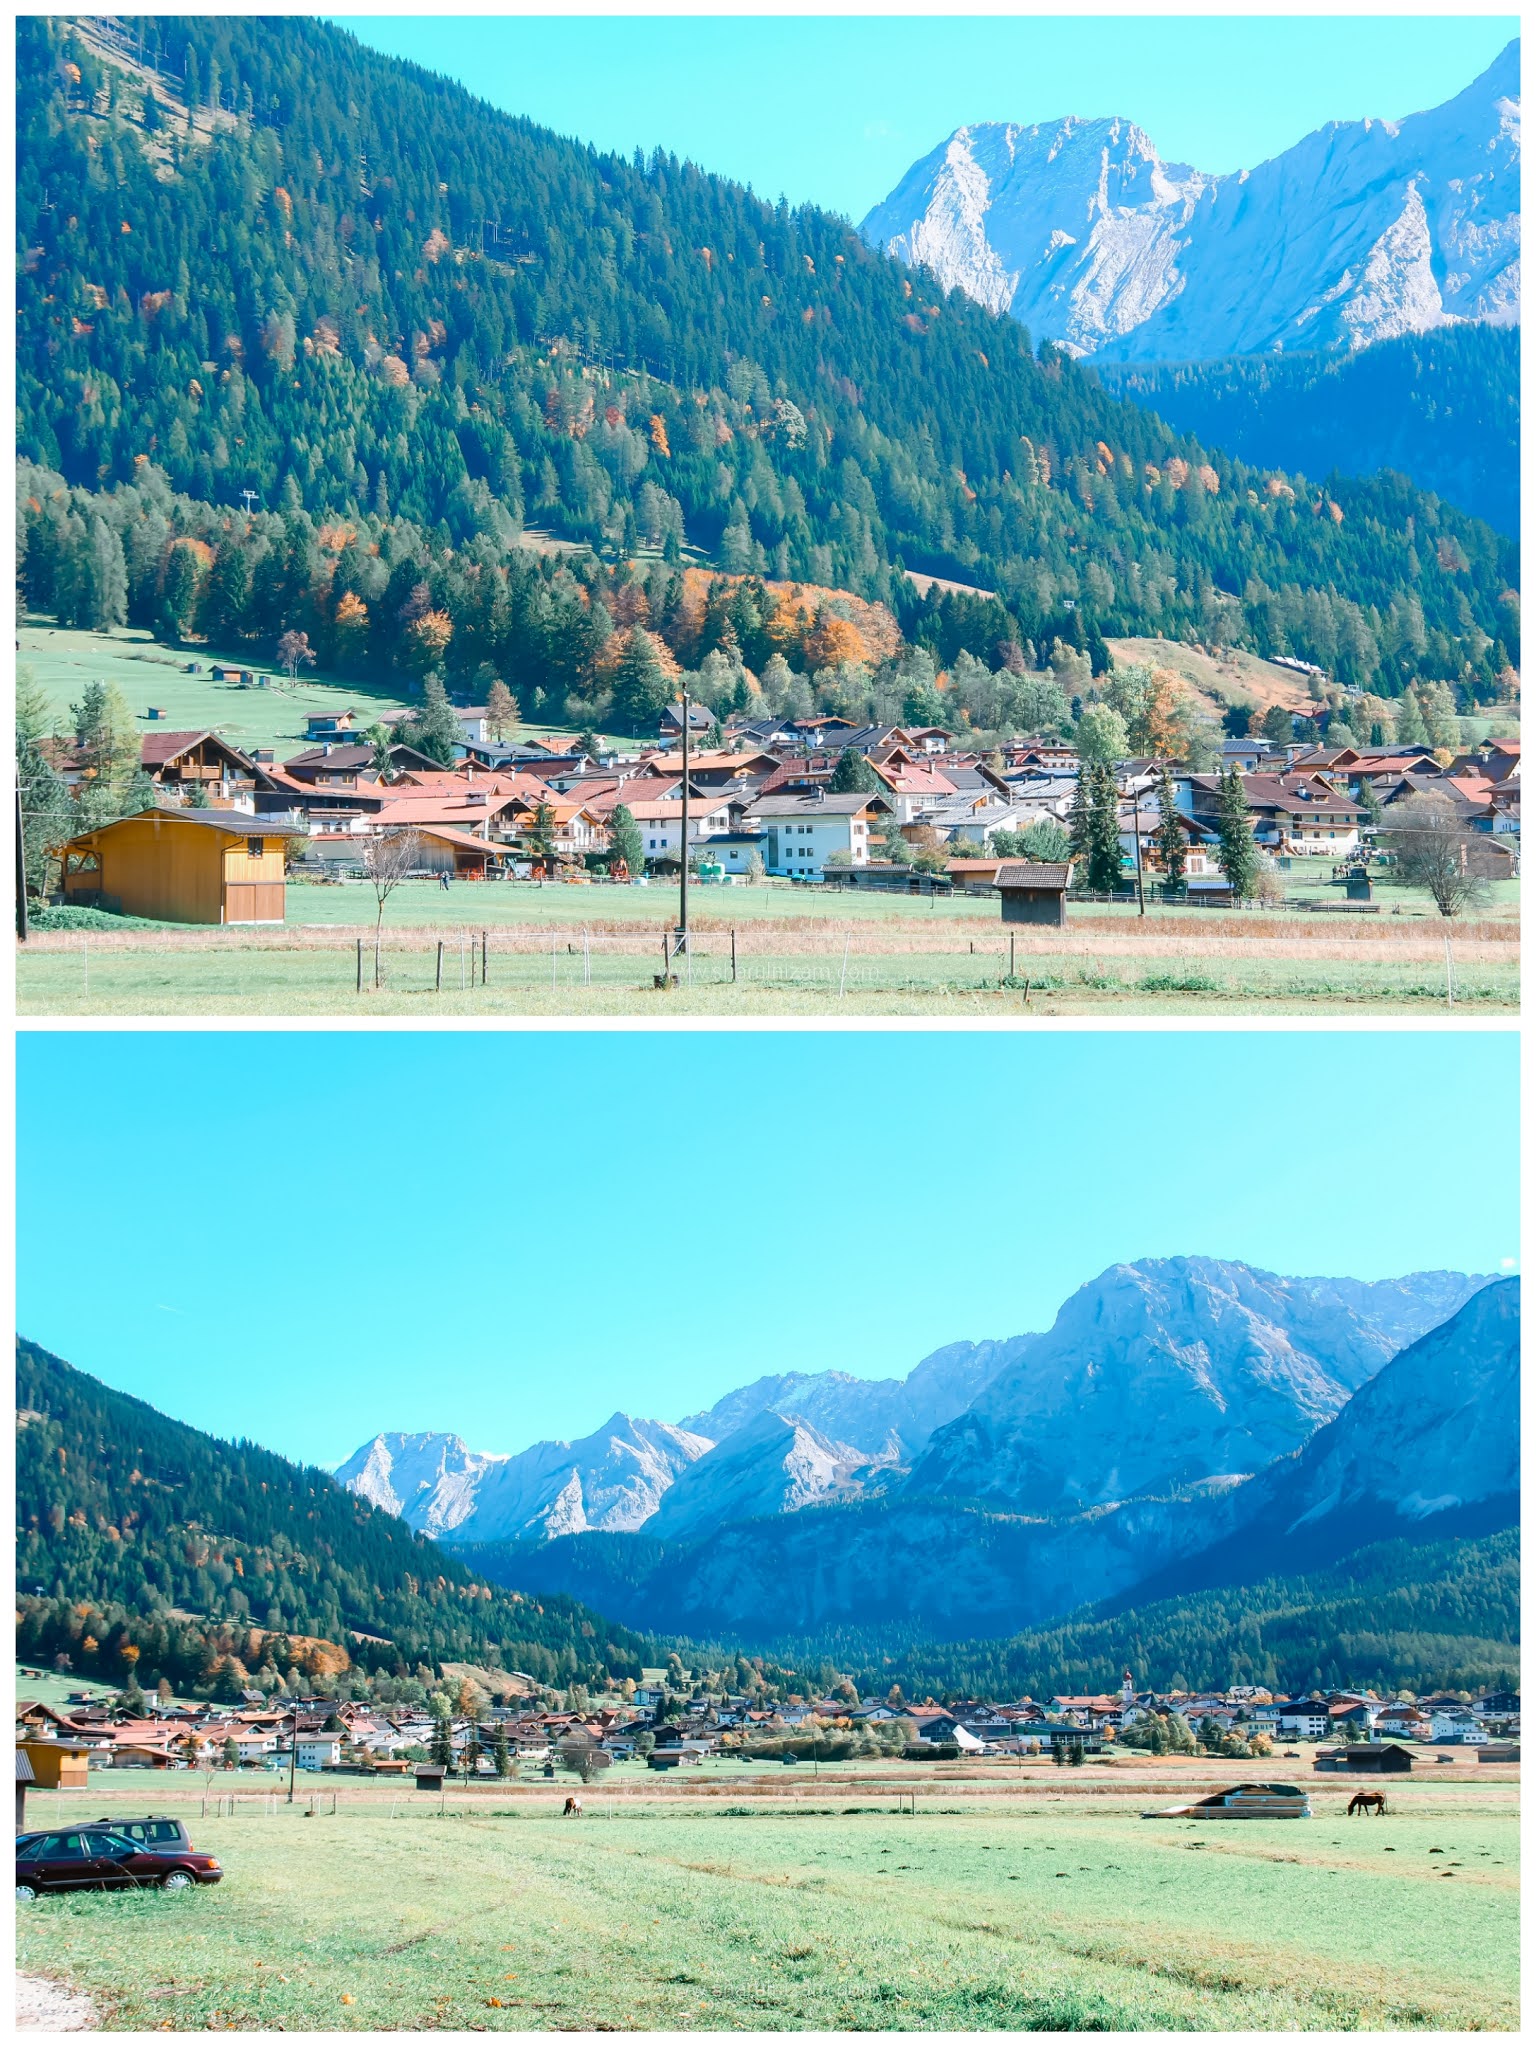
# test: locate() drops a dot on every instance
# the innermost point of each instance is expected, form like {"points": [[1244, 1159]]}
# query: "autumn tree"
{"points": [[500, 709], [293, 653]]}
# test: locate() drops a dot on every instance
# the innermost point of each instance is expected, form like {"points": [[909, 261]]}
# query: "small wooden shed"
{"points": [[184, 866], [1368, 1756], [57, 1764], [1034, 891], [24, 1778], [429, 1777]]}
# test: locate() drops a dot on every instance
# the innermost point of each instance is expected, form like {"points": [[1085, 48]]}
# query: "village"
{"points": [[463, 1733], [808, 802]]}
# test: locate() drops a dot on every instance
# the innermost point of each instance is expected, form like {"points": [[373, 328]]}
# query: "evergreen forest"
{"points": [[310, 340], [148, 1550]]}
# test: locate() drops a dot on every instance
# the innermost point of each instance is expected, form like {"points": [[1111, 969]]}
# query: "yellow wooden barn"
{"points": [[185, 867]]}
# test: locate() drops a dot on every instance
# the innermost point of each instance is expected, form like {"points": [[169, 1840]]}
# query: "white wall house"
{"points": [[661, 823], [804, 832]]}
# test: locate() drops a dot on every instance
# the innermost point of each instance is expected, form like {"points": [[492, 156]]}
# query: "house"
{"points": [[187, 764], [330, 725], [805, 833], [1307, 1720], [57, 1766], [1455, 1724], [1034, 891], [320, 1751], [24, 1778], [913, 787], [670, 724], [1376, 1757], [184, 867], [429, 1777]]}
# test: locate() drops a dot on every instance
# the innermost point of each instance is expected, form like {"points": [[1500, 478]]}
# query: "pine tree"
{"points": [[1104, 859], [639, 685], [853, 773], [624, 840], [436, 732], [501, 1755], [1170, 833], [1236, 854], [1078, 817]]}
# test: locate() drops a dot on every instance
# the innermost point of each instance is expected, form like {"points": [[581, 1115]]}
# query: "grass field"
{"points": [[761, 952], [149, 672], [772, 1903]]}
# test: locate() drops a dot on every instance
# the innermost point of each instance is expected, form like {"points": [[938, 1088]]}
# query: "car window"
{"points": [[111, 1846], [161, 1831], [68, 1846], [37, 1847]]}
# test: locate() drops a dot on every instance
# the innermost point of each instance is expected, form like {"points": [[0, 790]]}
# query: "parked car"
{"points": [[97, 1859], [150, 1830]]}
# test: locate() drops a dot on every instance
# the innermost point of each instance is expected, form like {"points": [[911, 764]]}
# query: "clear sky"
{"points": [[309, 1237], [835, 111]]}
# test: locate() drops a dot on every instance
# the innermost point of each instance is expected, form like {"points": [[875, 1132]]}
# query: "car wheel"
{"points": [[177, 1881], [25, 1892]]}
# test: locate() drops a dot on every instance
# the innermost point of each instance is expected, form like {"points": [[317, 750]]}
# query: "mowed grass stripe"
{"points": [[671, 1919]]}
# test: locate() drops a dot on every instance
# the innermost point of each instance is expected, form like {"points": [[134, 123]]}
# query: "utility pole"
{"points": [[21, 871], [682, 896], [250, 498], [1141, 896], [293, 1753]]}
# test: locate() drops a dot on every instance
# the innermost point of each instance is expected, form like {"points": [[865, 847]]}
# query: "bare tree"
{"points": [[388, 857], [1438, 853]]}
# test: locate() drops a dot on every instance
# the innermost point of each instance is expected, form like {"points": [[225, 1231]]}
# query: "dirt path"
{"points": [[47, 2007]]}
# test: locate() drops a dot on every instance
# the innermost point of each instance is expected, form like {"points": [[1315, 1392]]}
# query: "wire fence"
{"points": [[568, 967]]}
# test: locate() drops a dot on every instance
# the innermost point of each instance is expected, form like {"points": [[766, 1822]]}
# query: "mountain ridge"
{"points": [[986, 1568], [1359, 231]]}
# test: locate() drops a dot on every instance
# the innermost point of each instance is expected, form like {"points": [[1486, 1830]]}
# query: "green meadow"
{"points": [[825, 1907]]}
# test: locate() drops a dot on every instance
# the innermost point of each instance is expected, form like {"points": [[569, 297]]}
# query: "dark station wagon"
{"points": [[111, 1856]]}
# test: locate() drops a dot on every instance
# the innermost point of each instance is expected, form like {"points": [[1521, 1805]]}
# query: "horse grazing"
{"points": [[1368, 1802], [572, 1808]]}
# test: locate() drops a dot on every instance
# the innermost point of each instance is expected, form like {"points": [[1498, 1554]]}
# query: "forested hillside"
{"points": [[1442, 408], [407, 323], [1420, 1616], [145, 1547]]}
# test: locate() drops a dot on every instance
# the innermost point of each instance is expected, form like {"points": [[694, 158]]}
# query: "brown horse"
{"points": [[572, 1808], [1368, 1802]]}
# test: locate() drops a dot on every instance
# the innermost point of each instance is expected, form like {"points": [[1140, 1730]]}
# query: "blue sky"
{"points": [[305, 1237], [834, 111]]}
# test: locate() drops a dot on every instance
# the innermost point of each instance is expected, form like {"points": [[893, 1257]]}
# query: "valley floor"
{"points": [[735, 1898], [766, 951]]}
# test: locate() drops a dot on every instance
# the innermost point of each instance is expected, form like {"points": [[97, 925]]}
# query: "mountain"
{"points": [[1169, 1372], [1362, 231], [406, 323], [616, 1478], [1425, 1448], [429, 1481], [878, 1417], [1442, 408], [136, 1532], [1433, 1438], [772, 1465], [612, 1479]]}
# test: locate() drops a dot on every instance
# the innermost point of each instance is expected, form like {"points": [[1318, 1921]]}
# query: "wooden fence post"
{"points": [[359, 966], [733, 952], [439, 966]]}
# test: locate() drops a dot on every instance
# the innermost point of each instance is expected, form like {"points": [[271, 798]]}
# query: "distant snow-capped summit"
{"points": [[1362, 231]]}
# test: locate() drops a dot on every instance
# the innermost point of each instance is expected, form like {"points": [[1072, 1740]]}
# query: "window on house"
{"points": [[255, 848]]}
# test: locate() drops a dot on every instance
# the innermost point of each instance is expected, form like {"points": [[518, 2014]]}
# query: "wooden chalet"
{"points": [[185, 867]]}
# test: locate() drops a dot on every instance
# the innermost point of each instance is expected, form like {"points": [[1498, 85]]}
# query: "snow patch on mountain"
{"points": [[1361, 231]]}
